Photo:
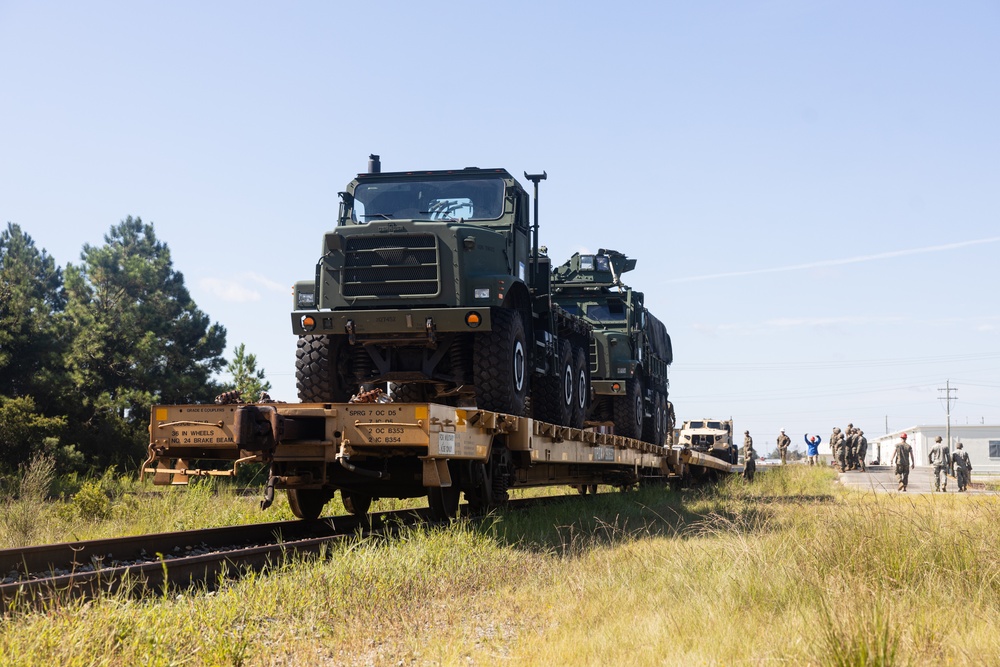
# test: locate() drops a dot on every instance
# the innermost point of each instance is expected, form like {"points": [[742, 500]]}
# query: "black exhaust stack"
{"points": [[374, 165], [535, 178]]}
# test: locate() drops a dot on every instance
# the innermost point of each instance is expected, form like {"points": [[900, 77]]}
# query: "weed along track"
{"points": [[174, 560], [179, 560]]}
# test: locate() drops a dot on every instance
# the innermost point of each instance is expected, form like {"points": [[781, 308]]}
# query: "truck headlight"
{"points": [[482, 293], [306, 299]]}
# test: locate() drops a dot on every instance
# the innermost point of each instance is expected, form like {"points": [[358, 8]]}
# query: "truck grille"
{"points": [[385, 266]]}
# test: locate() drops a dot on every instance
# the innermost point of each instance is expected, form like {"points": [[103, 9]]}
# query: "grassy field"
{"points": [[791, 570]]}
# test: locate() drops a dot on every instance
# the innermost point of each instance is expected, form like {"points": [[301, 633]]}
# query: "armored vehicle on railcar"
{"points": [[631, 349]]}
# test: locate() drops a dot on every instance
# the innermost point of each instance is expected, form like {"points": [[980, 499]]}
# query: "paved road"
{"points": [[881, 478]]}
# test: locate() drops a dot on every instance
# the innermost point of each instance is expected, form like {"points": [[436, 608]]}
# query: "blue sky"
{"points": [[811, 188]]}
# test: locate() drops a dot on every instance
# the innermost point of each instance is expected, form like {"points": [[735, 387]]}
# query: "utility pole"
{"points": [[947, 401]]}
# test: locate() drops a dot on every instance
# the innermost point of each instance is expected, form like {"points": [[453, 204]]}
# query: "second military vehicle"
{"points": [[433, 281], [631, 349]]}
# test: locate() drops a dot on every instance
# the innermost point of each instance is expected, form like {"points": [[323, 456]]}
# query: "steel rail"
{"points": [[33, 575], [160, 562]]}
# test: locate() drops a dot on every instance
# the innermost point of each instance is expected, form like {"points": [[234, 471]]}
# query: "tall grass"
{"points": [[23, 509], [789, 570]]}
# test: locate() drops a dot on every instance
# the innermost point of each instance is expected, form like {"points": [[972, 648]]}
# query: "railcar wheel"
{"points": [[319, 369], [501, 370], [307, 503], [357, 504], [629, 411]]}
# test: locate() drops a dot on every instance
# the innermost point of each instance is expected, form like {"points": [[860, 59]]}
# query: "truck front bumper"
{"points": [[391, 324]]}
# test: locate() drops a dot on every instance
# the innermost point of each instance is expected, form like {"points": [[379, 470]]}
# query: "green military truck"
{"points": [[631, 349], [433, 282]]}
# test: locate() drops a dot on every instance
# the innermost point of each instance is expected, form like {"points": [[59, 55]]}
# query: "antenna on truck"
{"points": [[535, 178]]}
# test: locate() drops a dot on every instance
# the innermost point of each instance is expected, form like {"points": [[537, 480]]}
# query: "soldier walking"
{"points": [[749, 464], [963, 466], [940, 458], [862, 450], [903, 457], [783, 442]]}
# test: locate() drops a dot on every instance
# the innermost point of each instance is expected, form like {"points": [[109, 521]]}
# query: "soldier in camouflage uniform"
{"points": [[837, 447], [749, 456], [862, 450], [903, 457], [783, 442], [940, 458], [963, 466], [852, 447]]}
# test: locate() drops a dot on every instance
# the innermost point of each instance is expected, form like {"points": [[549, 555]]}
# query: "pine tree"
{"points": [[137, 338], [247, 380], [31, 299]]}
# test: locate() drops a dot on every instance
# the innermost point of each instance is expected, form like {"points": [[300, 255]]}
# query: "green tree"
{"points": [[25, 432], [247, 380], [31, 298], [137, 338]]}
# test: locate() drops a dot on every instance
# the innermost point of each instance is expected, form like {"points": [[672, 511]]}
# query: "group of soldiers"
{"points": [[850, 447], [940, 458]]}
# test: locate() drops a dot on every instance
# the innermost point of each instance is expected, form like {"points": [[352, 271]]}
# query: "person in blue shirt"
{"points": [[812, 449]]}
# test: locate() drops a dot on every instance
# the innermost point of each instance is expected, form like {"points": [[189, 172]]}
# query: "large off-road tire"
{"points": [[307, 503], [664, 421], [553, 396], [629, 410], [651, 428], [319, 373], [501, 369], [581, 388], [414, 392]]}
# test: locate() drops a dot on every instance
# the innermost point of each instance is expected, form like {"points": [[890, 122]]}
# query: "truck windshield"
{"points": [[612, 311], [437, 199]]}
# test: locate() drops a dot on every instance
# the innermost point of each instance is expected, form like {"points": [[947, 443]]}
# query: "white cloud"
{"points": [[838, 262], [241, 287], [230, 290]]}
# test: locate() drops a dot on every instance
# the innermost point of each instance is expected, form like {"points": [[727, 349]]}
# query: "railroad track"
{"points": [[34, 576]]}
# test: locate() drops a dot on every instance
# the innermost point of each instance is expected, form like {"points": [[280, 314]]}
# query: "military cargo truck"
{"points": [[630, 351], [712, 436], [433, 281]]}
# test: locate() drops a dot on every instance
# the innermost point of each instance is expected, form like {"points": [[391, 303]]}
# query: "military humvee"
{"points": [[712, 436]]}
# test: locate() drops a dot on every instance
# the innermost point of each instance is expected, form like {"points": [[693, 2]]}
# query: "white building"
{"points": [[981, 441]]}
